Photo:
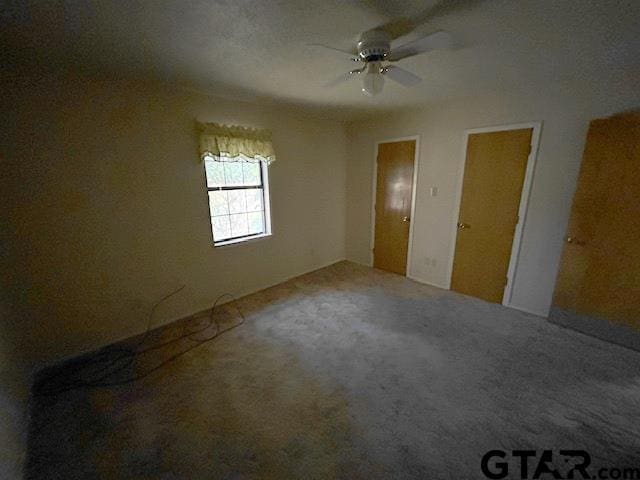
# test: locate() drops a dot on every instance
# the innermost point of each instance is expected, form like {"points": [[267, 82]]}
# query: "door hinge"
{"points": [[530, 149], [506, 280]]}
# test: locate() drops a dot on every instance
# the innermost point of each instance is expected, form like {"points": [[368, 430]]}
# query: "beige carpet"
{"points": [[348, 373]]}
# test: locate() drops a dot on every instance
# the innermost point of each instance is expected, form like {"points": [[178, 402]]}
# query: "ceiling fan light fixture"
{"points": [[373, 81], [374, 47]]}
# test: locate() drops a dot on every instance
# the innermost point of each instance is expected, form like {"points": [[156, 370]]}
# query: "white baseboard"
{"points": [[367, 263], [537, 313], [193, 312], [426, 282], [515, 307], [244, 293]]}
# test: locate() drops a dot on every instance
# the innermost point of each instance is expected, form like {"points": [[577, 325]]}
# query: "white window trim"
{"points": [[267, 214], [238, 241]]}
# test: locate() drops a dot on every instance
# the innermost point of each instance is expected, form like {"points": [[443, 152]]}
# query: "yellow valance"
{"points": [[235, 143]]}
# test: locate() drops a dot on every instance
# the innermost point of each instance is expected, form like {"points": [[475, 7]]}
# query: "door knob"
{"points": [[462, 226], [405, 219]]}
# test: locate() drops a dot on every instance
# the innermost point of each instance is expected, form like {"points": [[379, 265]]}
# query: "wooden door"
{"points": [[494, 172], [599, 274], [394, 190]]}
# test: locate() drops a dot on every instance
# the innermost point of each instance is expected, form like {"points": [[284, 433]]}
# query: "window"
{"points": [[238, 199]]}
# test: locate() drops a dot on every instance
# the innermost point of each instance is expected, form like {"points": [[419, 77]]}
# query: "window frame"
{"points": [[266, 200]]}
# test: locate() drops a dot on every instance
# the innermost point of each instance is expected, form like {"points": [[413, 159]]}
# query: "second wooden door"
{"points": [[494, 174]]}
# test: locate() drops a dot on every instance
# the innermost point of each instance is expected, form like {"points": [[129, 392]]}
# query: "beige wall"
{"points": [[108, 212], [565, 118], [15, 369], [14, 385]]}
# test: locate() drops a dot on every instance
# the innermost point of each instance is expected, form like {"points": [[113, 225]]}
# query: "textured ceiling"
{"points": [[259, 49]]}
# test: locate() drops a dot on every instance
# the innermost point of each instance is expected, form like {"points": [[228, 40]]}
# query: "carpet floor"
{"points": [[345, 373]]}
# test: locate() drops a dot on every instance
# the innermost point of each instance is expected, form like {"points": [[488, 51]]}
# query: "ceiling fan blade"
{"points": [[403, 25], [397, 28], [352, 53], [445, 7], [437, 40], [345, 77], [402, 76]]}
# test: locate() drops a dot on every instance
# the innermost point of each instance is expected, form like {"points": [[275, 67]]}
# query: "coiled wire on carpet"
{"points": [[56, 384]]}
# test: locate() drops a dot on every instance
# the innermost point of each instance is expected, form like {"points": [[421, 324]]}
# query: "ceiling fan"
{"points": [[374, 50]]}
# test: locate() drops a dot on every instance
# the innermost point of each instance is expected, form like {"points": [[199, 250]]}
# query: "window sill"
{"points": [[240, 241]]}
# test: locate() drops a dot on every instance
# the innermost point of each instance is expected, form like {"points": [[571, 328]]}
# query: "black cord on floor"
{"points": [[55, 384], [130, 353]]}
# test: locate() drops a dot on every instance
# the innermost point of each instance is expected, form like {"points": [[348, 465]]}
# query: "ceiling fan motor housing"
{"points": [[374, 46]]}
